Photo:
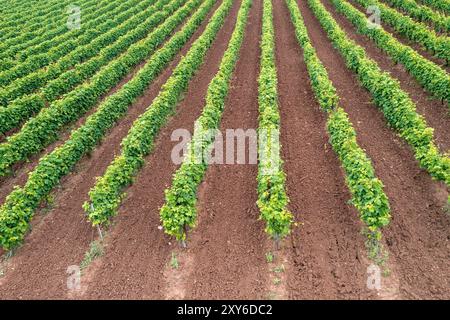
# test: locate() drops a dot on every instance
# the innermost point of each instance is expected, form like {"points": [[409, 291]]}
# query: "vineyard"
{"points": [[316, 149]]}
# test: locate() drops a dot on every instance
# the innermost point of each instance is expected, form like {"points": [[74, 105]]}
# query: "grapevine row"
{"points": [[24, 107], [27, 18], [366, 189], [37, 79], [272, 197], [32, 29], [17, 49], [179, 211], [52, 50], [20, 205], [441, 5], [412, 30], [21, 8], [431, 76], [422, 13], [43, 129], [106, 195], [397, 107]]}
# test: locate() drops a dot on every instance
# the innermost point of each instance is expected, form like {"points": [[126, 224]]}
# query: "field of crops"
{"points": [[334, 184]]}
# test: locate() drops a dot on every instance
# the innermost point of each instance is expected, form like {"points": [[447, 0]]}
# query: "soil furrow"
{"points": [[228, 245], [323, 258], [327, 247], [62, 236], [418, 235], [22, 168], [137, 251], [435, 113]]}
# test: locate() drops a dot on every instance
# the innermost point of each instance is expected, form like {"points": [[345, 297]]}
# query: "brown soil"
{"points": [[135, 240], [22, 168], [326, 248], [325, 255], [60, 238], [418, 234], [435, 113], [228, 245]]}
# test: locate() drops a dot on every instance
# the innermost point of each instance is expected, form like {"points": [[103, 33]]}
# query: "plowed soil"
{"points": [[228, 245], [135, 239], [329, 237], [325, 256], [417, 236]]}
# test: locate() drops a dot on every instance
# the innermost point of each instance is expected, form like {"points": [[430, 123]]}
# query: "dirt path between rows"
{"points": [[228, 246], [327, 249], [62, 236], [435, 113], [137, 251], [418, 235], [22, 168]]}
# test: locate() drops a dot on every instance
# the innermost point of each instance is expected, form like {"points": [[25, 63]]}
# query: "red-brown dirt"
{"points": [[227, 247], [435, 113], [324, 257], [417, 236], [22, 168], [135, 240], [327, 247], [61, 237]]}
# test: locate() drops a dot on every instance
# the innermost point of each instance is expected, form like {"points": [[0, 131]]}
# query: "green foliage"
{"points": [[20, 205], [431, 76], [128, 20], [31, 58], [375, 249], [440, 21], [366, 189], [43, 129], [179, 210], [269, 257], [397, 107], [323, 89], [95, 251], [106, 195], [272, 197], [29, 28], [412, 30], [76, 67], [279, 269], [441, 5]]}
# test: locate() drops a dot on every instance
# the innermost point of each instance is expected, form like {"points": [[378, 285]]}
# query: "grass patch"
{"points": [[375, 249], [95, 251], [386, 272], [279, 269], [174, 261], [447, 207], [276, 281], [269, 257]]}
